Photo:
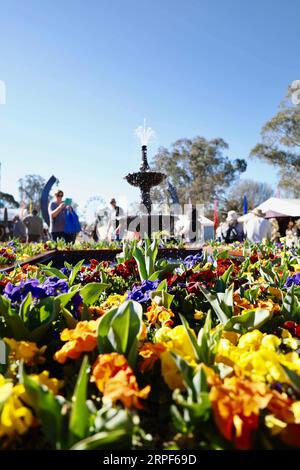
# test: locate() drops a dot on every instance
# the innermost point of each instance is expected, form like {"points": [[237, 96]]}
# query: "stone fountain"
{"points": [[145, 179]]}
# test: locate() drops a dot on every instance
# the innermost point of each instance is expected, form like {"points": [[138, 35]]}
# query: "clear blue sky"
{"points": [[82, 74]]}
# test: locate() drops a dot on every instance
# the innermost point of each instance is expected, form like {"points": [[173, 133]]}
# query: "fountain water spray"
{"points": [[145, 134]]}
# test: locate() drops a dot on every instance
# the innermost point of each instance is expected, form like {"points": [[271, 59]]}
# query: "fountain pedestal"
{"points": [[145, 179]]}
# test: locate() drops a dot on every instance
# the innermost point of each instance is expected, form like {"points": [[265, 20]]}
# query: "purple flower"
{"points": [[77, 301], [54, 286], [191, 260], [142, 293], [19, 292], [51, 287], [65, 271], [294, 279]]}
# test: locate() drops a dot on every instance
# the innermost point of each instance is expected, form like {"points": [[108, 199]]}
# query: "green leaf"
{"points": [[251, 320], [80, 415], [75, 271], [64, 299], [104, 343], [293, 378], [291, 305], [162, 298], [90, 292], [12, 319], [222, 303], [140, 259], [125, 327], [191, 336], [103, 440], [118, 330], [222, 282], [47, 407], [53, 271], [41, 318], [25, 307]]}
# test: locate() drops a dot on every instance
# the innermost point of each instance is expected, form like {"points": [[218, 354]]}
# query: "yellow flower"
{"points": [[157, 314], [52, 384], [113, 300], [296, 410], [296, 268], [289, 341], [198, 315], [26, 350], [251, 340], [15, 418], [275, 425], [256, 355], [177, 341]]}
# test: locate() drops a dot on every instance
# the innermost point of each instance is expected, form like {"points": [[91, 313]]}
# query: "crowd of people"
{"points": [[64, 224], [255, 229]]}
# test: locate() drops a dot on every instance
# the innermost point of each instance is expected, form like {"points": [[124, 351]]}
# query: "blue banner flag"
{"points": [[245, 205]]}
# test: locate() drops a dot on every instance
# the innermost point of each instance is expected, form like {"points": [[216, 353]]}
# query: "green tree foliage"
{"points": [[197, 168], [7, 200], [30, 189], [256, 193], [280, 145]]}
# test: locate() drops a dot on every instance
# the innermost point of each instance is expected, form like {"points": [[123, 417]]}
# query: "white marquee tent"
{"points": [[277, 207]]}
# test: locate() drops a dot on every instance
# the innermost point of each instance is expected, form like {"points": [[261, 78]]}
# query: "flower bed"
{"points": [[148, 354]]}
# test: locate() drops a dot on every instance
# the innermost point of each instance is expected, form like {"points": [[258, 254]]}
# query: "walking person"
{"points": [[19, 230], [34, 225], [258, 228], [114, 220]]}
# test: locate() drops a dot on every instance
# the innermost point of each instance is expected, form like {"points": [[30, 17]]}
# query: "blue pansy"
{"points": [[294, 279], [142, 292], [191, 260]]}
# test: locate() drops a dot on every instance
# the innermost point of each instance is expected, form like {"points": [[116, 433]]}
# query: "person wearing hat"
{"points": [[233, 230], [257, 227], [114, 220]]}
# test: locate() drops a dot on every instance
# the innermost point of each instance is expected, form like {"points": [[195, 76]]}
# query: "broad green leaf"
{"points": [[104, 440], [293, 378], [104, 344], [12, 319], [191, 336], [64, 299], [48, 409], [80, 415], [53, 271], [125, 327], [222, 303], [25, 307], [251, 320], [162, 298], [291, 305], [75, 271], [90, 292]]}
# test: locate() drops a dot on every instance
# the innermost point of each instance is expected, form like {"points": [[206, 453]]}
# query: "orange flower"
{"points": [[150, 352], [116, 380], [106, 366], [96, 311], [158, 314], [236, 406], [124, 387], [269, 305], [240, 303], [81, 339]]}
